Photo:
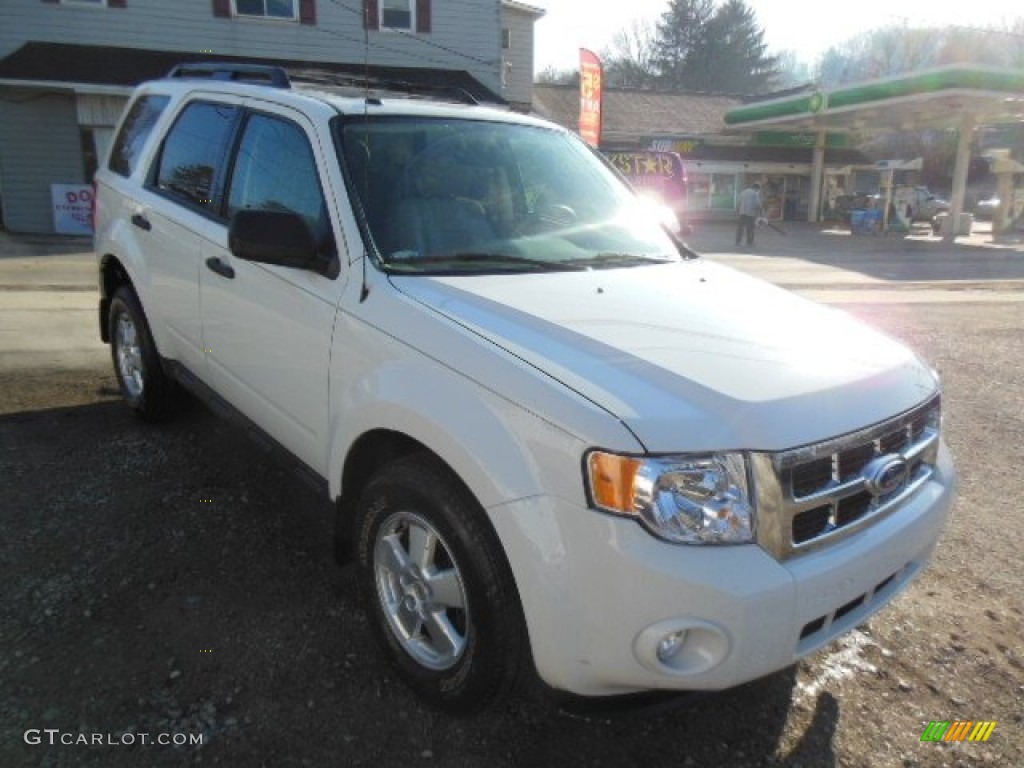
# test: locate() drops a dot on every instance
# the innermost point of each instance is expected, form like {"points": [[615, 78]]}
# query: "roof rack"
{"points": [[223, 70], [369, 82]]}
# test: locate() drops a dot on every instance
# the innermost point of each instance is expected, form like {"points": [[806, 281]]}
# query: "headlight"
{"points": [[683, 499]]}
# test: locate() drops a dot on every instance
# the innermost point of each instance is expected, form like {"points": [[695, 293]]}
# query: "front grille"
{"points": [[824, 625], [828, 490]]}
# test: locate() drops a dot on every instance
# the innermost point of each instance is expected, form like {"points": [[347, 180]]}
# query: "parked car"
{"points": [[918, 203], [557, 439], [985, 209], [844, 205]]}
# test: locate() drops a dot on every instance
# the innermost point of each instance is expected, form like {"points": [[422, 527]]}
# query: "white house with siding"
{"points": [[517, 20], [67, 66]]}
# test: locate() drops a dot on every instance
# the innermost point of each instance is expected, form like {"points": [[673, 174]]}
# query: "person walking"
{"points": [[749, 208]]}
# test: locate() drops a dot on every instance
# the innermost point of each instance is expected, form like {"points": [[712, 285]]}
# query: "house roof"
{"points": [[49, 63], [630, 115], [515, 5]]}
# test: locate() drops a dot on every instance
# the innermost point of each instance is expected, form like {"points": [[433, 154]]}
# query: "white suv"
{"points": [[556, 438]]}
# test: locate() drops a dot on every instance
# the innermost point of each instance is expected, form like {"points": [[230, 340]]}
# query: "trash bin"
{"points": [[866, 222], [941, 224]]}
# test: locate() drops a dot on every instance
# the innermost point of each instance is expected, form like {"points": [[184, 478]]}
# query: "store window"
{"points": [[723, 191]]}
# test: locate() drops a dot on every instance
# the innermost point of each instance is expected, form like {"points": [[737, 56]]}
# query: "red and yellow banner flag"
{"points": [[591, 77]]}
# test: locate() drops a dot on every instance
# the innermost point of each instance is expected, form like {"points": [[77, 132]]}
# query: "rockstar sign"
{"points": [[590, 97]]}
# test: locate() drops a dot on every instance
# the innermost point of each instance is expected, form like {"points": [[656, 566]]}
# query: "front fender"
{"points": [[499, 450]]}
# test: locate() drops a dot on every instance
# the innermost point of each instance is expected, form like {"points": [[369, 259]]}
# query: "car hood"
{"points": [[689, 355]]}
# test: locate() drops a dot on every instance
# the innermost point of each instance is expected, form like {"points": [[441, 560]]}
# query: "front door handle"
{"points": [[141, 222], [222, 269]]}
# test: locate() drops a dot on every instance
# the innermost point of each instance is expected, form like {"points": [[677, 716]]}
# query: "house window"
{"points": [[397, 14], [506, 38], [400, 15], [90, 3], [267, 9]]}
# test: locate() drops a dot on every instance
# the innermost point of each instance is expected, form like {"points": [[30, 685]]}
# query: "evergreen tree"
{"points": [[699, 47], [681, 35], [735, 58]]}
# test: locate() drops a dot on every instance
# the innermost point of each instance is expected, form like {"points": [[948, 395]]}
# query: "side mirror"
{"points": [[275, 237]]}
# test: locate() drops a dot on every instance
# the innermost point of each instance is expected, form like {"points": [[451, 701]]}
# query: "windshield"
{"points": [[444, 195]]}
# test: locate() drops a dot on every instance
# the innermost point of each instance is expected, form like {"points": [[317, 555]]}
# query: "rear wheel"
{"points": [[145, 386], [437, 586]]}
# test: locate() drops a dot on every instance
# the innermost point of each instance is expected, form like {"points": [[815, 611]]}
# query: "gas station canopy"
{"points": [[950, 97], [938, 98]]}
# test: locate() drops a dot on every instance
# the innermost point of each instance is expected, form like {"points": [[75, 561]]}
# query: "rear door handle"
{"points": [[222, 269], [141, 222]]}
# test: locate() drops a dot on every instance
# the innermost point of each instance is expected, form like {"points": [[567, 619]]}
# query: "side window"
{"points": [[275, 171], [138, 124], [194, 153]]}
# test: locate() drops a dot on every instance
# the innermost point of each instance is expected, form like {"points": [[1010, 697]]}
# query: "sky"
{"points": [[809, 29]]}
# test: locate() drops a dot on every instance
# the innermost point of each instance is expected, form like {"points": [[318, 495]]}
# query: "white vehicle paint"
{"points": [[695, 478]]}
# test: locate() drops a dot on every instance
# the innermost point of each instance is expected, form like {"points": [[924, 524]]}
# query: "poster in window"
{"points": [[72, 208]]}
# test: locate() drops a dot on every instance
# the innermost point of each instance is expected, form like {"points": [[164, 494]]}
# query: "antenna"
{"points": [[364, 290]]}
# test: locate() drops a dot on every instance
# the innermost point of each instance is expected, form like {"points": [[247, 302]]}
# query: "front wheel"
{"points": [[437, 586]]}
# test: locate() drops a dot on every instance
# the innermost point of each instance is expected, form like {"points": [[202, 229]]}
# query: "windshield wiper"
{"points": [[403, 261], [612, 257]]}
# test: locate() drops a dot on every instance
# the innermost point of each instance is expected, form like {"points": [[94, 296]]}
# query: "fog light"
{"points": [[670, 645]]}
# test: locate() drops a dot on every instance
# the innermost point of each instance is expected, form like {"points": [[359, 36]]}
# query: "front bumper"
{"points": [[599, 593]]}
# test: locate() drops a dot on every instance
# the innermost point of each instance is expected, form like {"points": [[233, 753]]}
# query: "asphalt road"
{"points": [[174, 580]]}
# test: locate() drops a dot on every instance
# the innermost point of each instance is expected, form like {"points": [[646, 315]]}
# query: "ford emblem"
{"points": [[885, 474]]}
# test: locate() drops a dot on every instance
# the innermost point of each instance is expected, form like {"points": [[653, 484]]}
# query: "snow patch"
{"points": [[840, 664]]}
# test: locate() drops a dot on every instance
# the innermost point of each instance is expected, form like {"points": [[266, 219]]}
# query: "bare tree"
{"points": [[888, 51], [629, 61], [551, 75]]}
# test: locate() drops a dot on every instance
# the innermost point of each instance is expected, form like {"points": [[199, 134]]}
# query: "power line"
{"points": [[423, 41]]}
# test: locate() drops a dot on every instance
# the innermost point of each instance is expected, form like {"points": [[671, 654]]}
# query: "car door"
{"points": [[172, 216], [267, 329]]}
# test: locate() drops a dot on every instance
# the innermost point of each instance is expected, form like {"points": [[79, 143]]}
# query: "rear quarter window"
{"points": [[142, 116]]}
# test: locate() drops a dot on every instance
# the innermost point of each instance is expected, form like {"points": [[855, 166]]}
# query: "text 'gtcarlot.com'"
{"points": [[54, 736]]}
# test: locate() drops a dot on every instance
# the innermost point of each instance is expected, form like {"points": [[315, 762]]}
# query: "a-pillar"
{"points": [[963, 157]]}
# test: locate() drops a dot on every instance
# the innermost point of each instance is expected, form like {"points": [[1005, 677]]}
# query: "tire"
{"points": [[437, 588], [146, 388]]}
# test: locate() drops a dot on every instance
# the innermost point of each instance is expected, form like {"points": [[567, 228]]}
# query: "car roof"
{"points": [[326, 101]]}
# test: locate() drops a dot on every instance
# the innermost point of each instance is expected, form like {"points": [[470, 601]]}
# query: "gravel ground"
{"points": [[172, 579]]}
